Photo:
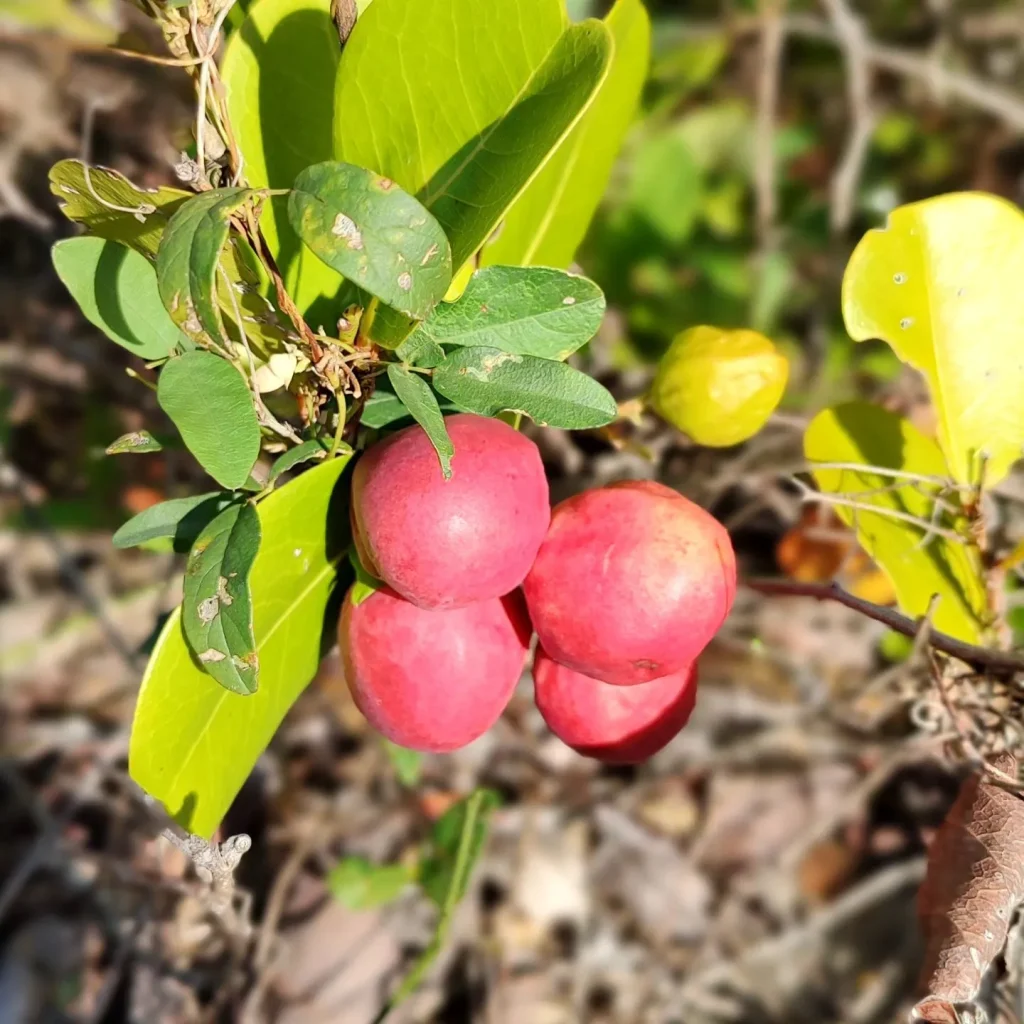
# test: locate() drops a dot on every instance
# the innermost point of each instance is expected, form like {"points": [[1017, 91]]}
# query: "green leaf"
{"points": [[532, 311], [305, 452], [455, 847], [941, 284], [110, 206], [366, 584], [360, 885], [216, 606], [193, 743], [181, 519], [420, 350], [279, 71], [489, 381], [137, 442], [547, 222], [407, 763], [510, 78], [209, 402], [186, 263], [918, 563], [456, 842], [382, 407], [115, 287], [374, 233], [666, 187], [416, 395]]}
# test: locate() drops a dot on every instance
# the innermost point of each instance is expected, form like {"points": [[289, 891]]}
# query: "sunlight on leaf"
{"points": [[193, 743], [941, 283], [864, 433]]}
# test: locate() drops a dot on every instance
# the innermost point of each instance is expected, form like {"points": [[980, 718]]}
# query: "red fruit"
{"points": [[631, 582], [617, 724], [432, 680], [446, 543]]}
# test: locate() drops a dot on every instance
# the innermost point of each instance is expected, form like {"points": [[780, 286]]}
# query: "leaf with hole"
{"points": [[216, 606], [180, 519], [193, 743], [138, 442], [941, 284], [532, 311], [209, 402], [893, 512], [279, 71], [110, 206], [374, 233], [488, 381], [360, 885], [115, 288], [305, 452], [189, 256], [418, 397], [511, 77], [547, 222]]}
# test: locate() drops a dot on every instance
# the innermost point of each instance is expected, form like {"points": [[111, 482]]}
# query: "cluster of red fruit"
{"points": [[624, 585]]}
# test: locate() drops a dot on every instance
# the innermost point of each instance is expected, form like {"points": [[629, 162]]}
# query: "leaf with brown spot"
{"points": [[974, 882]]}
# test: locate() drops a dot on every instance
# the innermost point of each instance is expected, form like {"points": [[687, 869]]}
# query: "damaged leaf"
{"points": [[488, 381], [216, 604], [188, 257], [378, 236]]}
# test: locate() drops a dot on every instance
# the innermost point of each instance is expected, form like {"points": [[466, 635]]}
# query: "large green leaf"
{"points": [[216, 604], [115, 288], [193, 743], [462, 102], [110, 206], [547, 222], [209, 402], [532, 311], [942, 285], [418, 397], [186, 263], [279, 70], [373, 232], [918, 562], [489, 381]]}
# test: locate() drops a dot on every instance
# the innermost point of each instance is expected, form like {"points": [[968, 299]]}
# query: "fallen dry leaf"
{"points": [[974, 882]]}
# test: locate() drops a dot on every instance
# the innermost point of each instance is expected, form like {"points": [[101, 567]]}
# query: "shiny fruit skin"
{"points": [[631, 582], [719, 387], [615, 724], [447, 543], [432, 680]]}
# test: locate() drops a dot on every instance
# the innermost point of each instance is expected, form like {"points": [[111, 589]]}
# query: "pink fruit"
{"points": [[446, 543], [617, 724], [631, 582], [432, 680]]}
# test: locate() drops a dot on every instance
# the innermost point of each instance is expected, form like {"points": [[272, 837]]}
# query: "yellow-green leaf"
{"points": [[279, 70], [193, 742], [917, 561], [941, 283], [547, 222]]}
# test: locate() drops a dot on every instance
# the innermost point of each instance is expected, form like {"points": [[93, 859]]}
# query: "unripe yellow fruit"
{"points": [[719, 386]]}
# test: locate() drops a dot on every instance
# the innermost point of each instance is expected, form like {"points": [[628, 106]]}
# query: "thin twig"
{"points": [[853, 40], [772, 38], [981, 658]]}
